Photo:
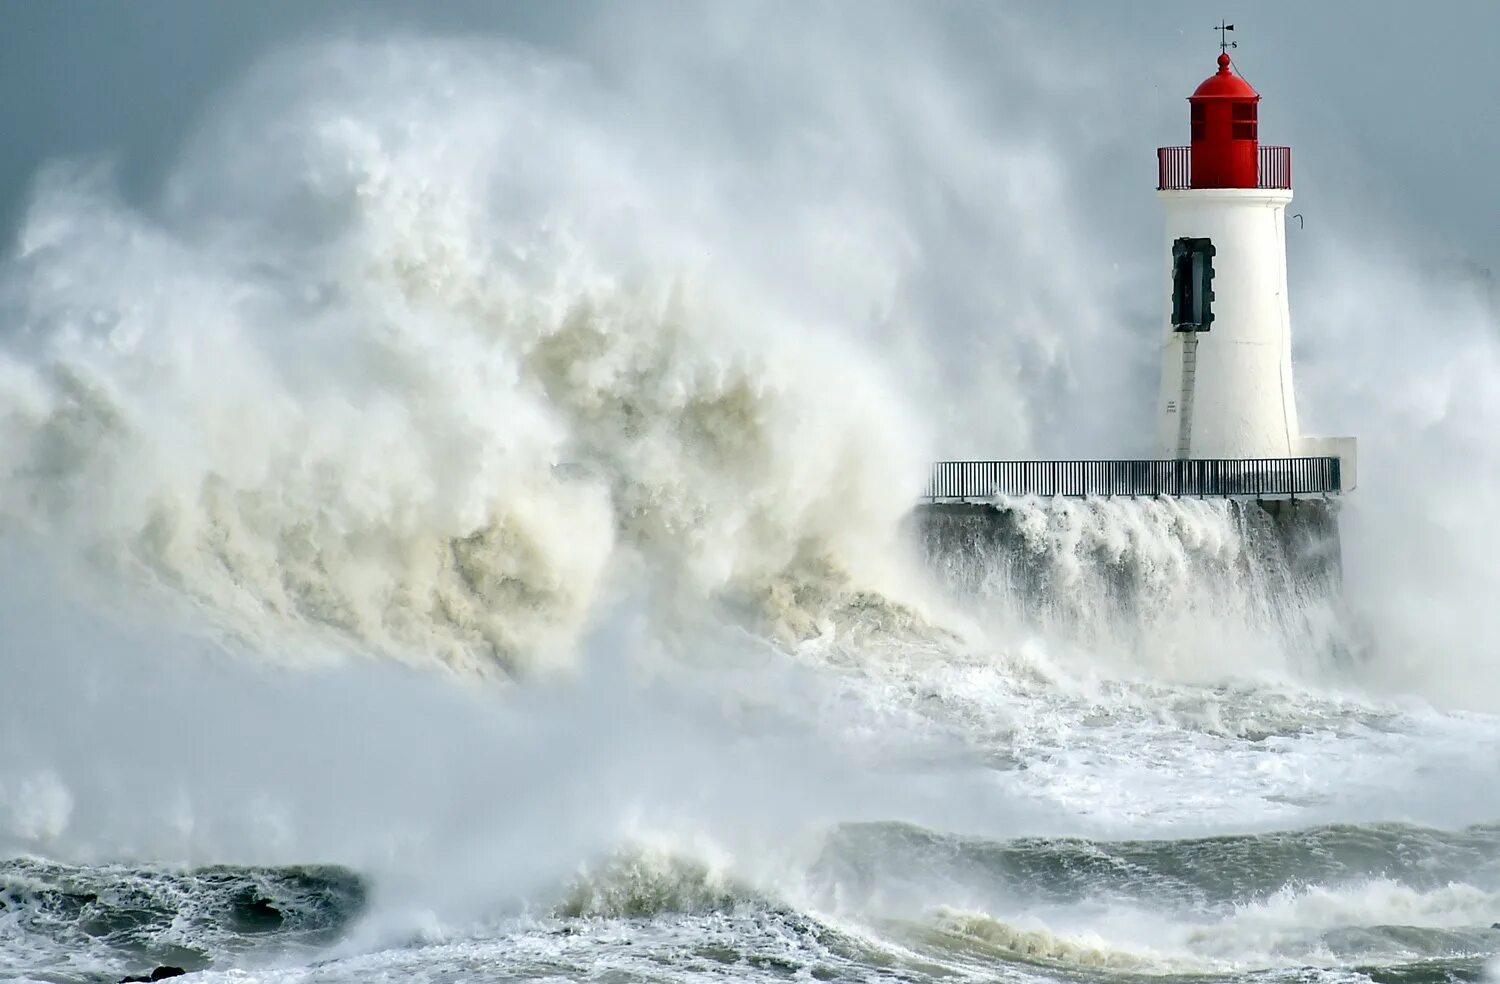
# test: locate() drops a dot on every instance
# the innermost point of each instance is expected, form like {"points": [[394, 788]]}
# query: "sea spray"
{"points": [[1178, 589], [425, 371], [437, 367]]}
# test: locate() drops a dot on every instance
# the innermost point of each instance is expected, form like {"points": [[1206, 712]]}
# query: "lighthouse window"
{"points": [[1243, 120], [1198, 117], [1192, 284]]}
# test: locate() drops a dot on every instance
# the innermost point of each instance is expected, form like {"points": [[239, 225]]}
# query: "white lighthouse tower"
{"points": [[1226, 373]]}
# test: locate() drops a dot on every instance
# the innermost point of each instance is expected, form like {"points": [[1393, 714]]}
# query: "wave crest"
{"points": [[429, 372], [642, 882]]}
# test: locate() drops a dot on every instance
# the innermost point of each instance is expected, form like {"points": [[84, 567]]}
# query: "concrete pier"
{"points": [[1292, 542]]}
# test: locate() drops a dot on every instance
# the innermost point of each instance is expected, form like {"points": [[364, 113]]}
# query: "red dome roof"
{"points": [[1224, 84]]}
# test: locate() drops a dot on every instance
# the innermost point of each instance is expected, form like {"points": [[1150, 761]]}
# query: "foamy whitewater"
{"points": [[461, 531]]}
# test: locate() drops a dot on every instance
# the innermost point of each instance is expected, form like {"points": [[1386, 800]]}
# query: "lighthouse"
{"points": [[1226, 354], [1226, 413]]}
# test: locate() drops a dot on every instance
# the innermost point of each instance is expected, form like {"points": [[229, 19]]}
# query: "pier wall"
{"points": [[1134, 555]]}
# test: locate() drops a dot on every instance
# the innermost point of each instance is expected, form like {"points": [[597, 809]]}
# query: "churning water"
{"points": [[434, 549]]}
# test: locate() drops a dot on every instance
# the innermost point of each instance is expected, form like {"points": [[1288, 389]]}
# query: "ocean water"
{"points": [[438, 544], [859, 808]]}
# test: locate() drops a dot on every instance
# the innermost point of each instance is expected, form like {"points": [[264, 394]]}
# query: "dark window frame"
{"points": [[1243, 121], [1192, 284]]}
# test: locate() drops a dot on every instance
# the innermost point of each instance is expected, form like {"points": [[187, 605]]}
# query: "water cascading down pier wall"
{"points": [[989, 527]]}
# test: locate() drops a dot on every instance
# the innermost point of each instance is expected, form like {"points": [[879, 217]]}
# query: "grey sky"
{"points": [[1405, 92]]}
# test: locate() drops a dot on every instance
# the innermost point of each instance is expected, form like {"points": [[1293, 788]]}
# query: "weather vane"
{"points": [[1224, 43]]}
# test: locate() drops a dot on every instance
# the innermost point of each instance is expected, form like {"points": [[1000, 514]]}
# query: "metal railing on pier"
{"points": [[1190, 477]]}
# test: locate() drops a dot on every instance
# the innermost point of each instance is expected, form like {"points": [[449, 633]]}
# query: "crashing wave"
{"points": [[641, 882], [436, 382], [114, 919]]}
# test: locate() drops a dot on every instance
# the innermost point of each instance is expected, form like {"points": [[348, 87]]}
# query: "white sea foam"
{"points": [[1299, 911], [422, 365], [1296, 927]]}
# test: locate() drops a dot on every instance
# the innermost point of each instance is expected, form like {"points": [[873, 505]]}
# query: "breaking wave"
{"points": [[1318, 897], [1382, 895], [433, 375], [991, 939], [104, 920], [1217, 874], [641, 882]]}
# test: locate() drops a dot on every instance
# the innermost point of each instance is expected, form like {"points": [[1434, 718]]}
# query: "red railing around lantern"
{"points": [[1174, 168]]}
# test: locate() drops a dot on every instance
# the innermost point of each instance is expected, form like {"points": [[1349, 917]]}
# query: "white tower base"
{"points": [[1227, 392]]}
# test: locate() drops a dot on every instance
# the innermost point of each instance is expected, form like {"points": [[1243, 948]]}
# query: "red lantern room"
{"points": [[1226, 150], [1225, 142]]}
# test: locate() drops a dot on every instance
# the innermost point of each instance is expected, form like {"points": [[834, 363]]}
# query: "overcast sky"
{"points": [[1406, 91]]}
